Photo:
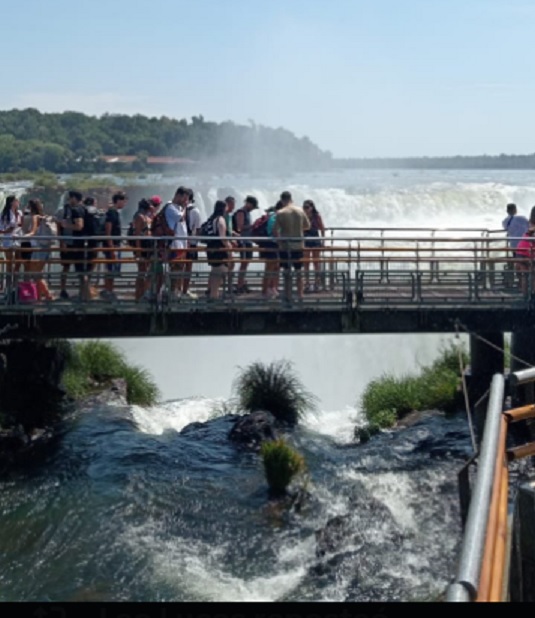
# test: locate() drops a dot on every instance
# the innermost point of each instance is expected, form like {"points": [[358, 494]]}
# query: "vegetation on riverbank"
{"points": [[275, 388], [91, 365], [389, 398]]}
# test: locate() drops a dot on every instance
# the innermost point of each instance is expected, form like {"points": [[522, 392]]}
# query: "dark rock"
{"points": [[30, 378], [114, 392], [416, 417], [253, 429]]}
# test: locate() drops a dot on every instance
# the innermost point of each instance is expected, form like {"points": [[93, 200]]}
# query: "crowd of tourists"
{"points": [[163, 237]]}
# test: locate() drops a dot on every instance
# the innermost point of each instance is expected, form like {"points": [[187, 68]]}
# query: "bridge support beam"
{"points": [[485, 361]]}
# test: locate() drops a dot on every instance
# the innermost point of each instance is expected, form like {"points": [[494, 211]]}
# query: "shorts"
{"points": [[269, 250], [313, 243], [113, 267], [246, 250], [219, 269], [41, 255], [192, 255], [81, 263], [26, 255], [291, 258], [176, 254]]}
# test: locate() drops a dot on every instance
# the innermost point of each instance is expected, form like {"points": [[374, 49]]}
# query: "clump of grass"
{"points": [[93, 364], [282, 464], [273, 388], [389, 399]]}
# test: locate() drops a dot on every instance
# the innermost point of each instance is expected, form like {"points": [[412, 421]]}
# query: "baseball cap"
{"points": [[156, 200]]}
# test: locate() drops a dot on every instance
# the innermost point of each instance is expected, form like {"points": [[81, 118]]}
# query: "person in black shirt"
{"points": [[72, 225], [112, 229]]}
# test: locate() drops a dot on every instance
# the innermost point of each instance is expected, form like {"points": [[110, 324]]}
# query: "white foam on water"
{"points": [[194, 568], [175, 415], [337, 424], [394, 489]]}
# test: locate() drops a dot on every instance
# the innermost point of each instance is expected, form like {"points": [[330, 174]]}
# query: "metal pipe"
{"points": [[487, 566], [473, 545], [526, 450], [522, 377], [520, 414], [498, 570]]}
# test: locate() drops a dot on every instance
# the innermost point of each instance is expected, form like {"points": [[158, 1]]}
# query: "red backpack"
{"points": [[260, 226], [159, 225]]}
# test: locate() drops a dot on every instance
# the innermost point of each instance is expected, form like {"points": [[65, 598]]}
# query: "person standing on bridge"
{"points": [[291, 223], [242, 225], [515, 225]]}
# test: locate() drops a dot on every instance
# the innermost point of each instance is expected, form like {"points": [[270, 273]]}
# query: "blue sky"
{"points": [[359, 77]]}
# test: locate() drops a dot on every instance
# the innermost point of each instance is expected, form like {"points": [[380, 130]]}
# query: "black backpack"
{"points": [[94, 221], [208, 228]]}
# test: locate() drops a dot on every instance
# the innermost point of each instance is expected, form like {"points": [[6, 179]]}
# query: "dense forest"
{"points": [[74, 142]]}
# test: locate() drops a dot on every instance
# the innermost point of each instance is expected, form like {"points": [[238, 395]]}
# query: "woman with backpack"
{"points": [[313, 244], [217, 249], [38, 250]]}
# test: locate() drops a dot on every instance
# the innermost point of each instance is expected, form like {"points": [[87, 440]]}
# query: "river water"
{"points": [[130, 506]]}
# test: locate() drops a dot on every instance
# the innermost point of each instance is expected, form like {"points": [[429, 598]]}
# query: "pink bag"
{"points": [[27, 292], [526, 247]]}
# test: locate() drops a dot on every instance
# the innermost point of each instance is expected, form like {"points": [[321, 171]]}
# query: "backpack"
{"points": [[260, 226], [208, 229], [188, 210], [47, 230], [94, 222], [159, 225]]}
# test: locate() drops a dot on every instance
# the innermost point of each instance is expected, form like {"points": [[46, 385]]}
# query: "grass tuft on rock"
{"points": [[91, 365], [274, 388], [389, 398], [282, 463]]}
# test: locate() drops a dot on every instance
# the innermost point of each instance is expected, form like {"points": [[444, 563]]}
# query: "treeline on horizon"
{"points": [[480, 162], [71, 142]]}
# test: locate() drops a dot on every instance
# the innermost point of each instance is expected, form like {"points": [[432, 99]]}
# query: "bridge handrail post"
{"points": [[465, 587]]}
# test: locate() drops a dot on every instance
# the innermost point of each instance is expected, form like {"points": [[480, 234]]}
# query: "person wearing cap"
{"points": [[155, 202], [291, 223], [242, 225]]}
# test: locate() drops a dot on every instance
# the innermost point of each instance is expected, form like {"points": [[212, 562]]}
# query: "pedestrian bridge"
{"points": [[371, 280]]}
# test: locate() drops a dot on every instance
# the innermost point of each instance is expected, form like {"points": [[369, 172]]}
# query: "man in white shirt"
{"points": [[176, 254], [515, 226], [192, 218]]}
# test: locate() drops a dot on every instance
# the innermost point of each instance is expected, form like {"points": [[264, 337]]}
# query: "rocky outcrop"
{"points": [[251, 430], [30, 378], [113, 392]]}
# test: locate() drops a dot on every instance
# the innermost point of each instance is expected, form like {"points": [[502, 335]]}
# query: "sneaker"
{"points": [[64, 295], [308, 288], [191, 295], [174, 296]]}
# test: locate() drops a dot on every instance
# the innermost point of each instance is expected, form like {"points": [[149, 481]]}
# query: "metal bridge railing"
{"points": [[375, 266], [482, 573]]}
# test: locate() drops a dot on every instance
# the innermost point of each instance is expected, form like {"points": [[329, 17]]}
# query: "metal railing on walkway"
{"points": [[483, 569], [369, 266]]}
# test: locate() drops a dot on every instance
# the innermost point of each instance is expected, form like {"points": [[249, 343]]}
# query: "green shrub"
{"points": [[140, 387], [92, 364], [282, 464], [389, 399], [274, 388]]}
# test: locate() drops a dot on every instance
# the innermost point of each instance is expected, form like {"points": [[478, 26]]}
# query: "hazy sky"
{"points": [[359, 77]]}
